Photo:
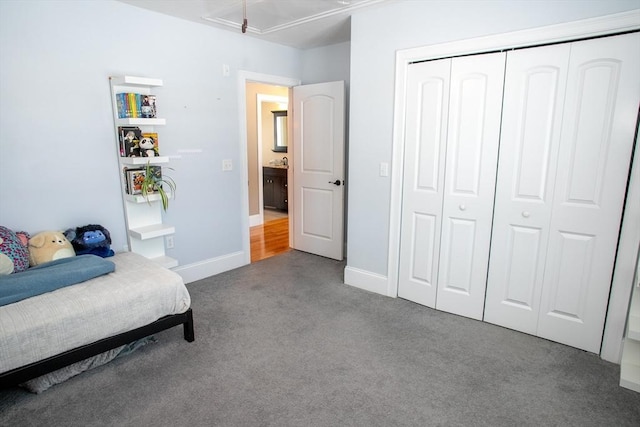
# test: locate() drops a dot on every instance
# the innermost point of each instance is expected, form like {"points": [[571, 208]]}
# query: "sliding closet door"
{"points": [[475, 108], [601, 108], [425, 142], [534, 90]]}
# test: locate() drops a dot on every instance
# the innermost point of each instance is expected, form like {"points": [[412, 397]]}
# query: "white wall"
{"points": [[375, 37], [58, 165]]}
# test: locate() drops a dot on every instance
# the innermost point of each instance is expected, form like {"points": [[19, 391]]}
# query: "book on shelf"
{"points": [[156, 171], [135, 105], [135, 176], [132, 102], [120, 105], [148, 106], [133, 180], [149, 144], [129, 139]]}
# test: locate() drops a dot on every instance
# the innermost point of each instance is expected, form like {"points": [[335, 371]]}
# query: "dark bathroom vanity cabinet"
{"points": [[275, 187]]}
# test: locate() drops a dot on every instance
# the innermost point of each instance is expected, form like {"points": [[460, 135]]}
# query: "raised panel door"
{"points": [[535, 82], [598, 130], [425, 146], [471, 159], [318, 152]]}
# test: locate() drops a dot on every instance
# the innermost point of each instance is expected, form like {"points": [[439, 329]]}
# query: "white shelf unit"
{"points": [[151, 231], [630, 363], [140, 122], [139, 198], [141, 161], [143, 214]]}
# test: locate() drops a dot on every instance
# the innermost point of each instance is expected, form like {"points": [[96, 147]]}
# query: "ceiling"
{"points": [[301, 24]]}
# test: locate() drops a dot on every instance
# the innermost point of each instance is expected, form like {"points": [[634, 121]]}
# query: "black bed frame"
{"points": [[36, 369]]}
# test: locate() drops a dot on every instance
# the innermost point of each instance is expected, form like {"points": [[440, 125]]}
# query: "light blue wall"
{"points": [[375, 37], [58, 164], [57, 159], [326, 64]]}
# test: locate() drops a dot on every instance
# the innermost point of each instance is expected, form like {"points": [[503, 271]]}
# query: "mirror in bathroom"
{"points": [[280, 131]]}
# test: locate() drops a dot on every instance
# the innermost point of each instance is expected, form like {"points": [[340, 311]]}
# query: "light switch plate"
{"points": [[384, 169]]}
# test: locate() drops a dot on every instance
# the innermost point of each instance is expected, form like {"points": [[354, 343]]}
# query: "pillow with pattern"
{"points": [[14, 254]]}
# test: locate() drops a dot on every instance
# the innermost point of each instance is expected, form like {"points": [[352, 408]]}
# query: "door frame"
{"points": [[592, 27], [243, 78]]}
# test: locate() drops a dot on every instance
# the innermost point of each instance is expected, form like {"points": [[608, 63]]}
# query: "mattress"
{"points": [[137, 293]]}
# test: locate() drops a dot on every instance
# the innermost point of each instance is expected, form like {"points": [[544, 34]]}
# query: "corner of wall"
{"points": [[366, 280]]}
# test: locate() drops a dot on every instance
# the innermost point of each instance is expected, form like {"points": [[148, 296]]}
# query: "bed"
{"points": [[43, 333]]}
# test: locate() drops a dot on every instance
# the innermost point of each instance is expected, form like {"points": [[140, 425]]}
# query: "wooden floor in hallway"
{"points": [[269, 239]]}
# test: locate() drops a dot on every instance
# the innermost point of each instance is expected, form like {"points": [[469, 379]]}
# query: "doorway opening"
{"points": [[250, 171], [315, 185], [268, 163], [270, 239]]}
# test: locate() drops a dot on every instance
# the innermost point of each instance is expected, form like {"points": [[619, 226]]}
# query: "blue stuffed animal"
{"points": [[90, 239]]}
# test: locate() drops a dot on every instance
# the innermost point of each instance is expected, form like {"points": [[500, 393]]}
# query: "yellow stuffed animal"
{"points": [[49, 246]]}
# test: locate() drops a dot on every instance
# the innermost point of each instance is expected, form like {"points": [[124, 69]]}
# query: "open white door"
{"points": [[318, 168]]}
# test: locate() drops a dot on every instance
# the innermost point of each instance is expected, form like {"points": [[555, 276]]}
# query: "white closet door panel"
{"points": [[472, 149], [535, 83], [593, 163], [425, 144]]}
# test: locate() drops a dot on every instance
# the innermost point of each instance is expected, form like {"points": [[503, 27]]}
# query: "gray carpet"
{"points": [[283, 342]]}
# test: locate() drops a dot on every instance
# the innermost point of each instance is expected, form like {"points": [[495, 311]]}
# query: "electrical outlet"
{"points": [[227, 165], [169, 241]]}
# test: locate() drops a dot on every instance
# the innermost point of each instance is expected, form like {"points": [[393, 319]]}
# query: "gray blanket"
{"points": [[42, 383], [51, 276]]}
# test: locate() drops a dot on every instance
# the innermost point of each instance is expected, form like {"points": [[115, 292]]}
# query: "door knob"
{"points": [[462, 207], [526, 214], [336, 182]]}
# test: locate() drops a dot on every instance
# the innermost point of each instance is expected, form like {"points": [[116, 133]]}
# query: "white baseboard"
{"points": [[366, 280], [210, 267], [255, 220]]}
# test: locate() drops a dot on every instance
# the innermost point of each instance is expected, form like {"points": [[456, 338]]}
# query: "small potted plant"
{"points": [[153, 182]]}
